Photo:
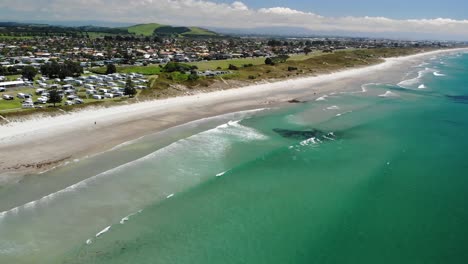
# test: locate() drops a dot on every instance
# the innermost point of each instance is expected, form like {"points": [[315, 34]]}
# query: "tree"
{"points": [[233, 67], [111, 69], [54, 96], [269, 61], [29, 72], [129, 88], [175, 66], [307, 50], [68, 68]]}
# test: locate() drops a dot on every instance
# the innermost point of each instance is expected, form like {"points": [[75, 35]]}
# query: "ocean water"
{"points": [[374, 175]]}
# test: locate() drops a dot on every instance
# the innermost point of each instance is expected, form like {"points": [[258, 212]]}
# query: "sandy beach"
{"points": [[34, 145]]}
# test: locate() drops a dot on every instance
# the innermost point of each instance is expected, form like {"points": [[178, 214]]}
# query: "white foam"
{"points": [[333, 107], [123, 220], [126, 218], [422, 86], [411, 82], [438, 74], [89, 241], [221, 174], [103, 231], [308, 142], [234, 128], [347, 112], [322, 98], [389, 94], [170, 196]]}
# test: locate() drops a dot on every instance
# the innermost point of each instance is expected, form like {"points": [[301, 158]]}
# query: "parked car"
{"points": [[8, 97], [68, 102], [108, 95], [42, 100], [27, 105], [39, 91], [2, 89], [91, 92], [78, 101]]}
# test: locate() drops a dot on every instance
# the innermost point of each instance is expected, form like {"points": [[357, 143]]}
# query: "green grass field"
{"points": [[145, 70], [224, 64]]}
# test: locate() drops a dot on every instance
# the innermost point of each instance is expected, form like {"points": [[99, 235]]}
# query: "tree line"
{"points": [[56, 70]]}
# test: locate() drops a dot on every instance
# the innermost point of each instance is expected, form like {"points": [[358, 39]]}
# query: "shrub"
{"points": [[233, 67], [193, 76], [269, 61], [177, 67], [277, 59], [251, 77]]}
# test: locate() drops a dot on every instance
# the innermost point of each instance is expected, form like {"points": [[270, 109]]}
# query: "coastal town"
{"points": [[113, 67]]}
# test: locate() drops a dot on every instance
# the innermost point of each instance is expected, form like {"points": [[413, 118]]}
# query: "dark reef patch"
{"points": [[302, 134], [462, 99]]}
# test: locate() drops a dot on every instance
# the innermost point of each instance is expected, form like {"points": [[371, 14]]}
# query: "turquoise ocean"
{"points": [[378, 174]]}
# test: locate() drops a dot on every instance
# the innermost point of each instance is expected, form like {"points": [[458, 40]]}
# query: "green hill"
{"points": [[196, 31], [144, 29], [163, 30]]}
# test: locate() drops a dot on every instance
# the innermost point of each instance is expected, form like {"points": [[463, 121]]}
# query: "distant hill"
{"points": [[152, 29], [164, 30], [144, 29]]}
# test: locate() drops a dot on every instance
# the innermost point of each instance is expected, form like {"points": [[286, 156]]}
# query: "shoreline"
{"points": [[43, 143]]}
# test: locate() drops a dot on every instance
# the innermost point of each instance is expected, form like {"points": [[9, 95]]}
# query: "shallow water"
{"points": [[376, 175]]}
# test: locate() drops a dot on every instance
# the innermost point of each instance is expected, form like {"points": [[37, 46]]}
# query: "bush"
{"points": [[251, 77], [290, 68], [177, 67], [277, 59], [248, 65], [111, 69], [193, 77], [233, 67], [269, 61]]}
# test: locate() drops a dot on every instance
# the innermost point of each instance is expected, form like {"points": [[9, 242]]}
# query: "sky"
{"points": [[428, 19]]}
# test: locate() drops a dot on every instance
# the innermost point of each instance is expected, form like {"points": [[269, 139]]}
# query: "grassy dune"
{"points": [[304, 65]]}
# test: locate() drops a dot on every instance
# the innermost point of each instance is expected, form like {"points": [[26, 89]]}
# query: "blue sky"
{"points": [[398, 9], [430, 19]]}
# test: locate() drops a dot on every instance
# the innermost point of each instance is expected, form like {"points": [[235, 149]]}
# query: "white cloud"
{"points": [[227, 15], [239, 6], [281, 11]]}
